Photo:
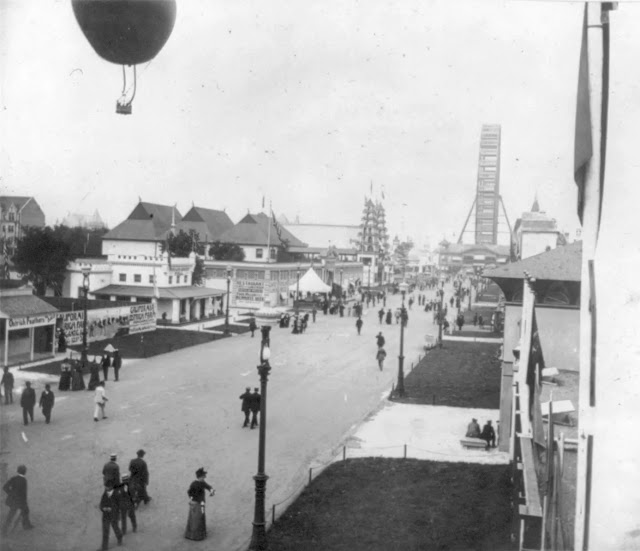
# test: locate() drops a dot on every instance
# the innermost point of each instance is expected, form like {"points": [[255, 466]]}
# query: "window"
{"points": [[150, 279], [137, 278], [122, 277], [273, 254], [258, 253], [10, 229], [170, 280]]}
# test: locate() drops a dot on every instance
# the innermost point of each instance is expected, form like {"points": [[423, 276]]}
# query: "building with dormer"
{"points": [[16, 215]]}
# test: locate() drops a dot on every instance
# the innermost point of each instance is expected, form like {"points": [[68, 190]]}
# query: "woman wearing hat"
{"points": [[196, 523]]}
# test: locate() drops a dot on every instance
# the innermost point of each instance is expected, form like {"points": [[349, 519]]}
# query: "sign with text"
{"points": [[31, 321], [248, 292], [106, 323]]}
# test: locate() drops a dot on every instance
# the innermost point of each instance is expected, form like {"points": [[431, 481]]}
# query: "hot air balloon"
{"points": [[126, 32]]}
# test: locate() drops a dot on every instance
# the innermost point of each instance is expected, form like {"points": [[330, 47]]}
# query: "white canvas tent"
{"points": [[311, 283]]}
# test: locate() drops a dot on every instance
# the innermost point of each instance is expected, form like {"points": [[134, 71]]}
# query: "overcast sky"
{"points": [[306, 103]]}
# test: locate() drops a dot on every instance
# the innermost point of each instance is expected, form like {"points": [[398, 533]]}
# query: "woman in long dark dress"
{"points": [[196, 523], [94, 370]]}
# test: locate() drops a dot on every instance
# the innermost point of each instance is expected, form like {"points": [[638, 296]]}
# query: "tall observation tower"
{"points": [[487, 201]]}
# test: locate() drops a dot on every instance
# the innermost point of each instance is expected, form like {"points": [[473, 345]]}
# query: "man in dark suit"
{"points": [[7, 383], [126, 505], [16, 489], [140, 475], [254, 404], [246, 405], [47, 400], [489, 435], [109, 506], [28, 402], [111, 472]]}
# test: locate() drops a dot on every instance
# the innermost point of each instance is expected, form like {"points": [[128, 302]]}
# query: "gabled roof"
{"points": [[21, 306], [324, 235], [18, 201], [209, 224], [147, 222], [559, 264], [253, 229]]}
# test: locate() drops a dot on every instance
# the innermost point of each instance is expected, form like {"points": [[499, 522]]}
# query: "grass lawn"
{"points": [[399, 504], [237, 328], [146, 345], [461, 374]]}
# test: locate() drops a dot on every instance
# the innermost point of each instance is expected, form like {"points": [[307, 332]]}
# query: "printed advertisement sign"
{"points": [[248, 292], [105, 323]]}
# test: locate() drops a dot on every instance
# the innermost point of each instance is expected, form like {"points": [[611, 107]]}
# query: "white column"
{"points": [[589, 238], [31, 337]]}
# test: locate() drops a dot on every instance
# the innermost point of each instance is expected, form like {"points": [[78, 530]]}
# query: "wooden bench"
{"points": [[469, 442]]}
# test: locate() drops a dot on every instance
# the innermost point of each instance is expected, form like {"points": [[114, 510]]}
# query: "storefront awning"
{"points": [[166, 293]]}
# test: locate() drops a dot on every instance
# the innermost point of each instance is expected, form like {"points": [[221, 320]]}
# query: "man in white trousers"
{"points": [[100, 399]]}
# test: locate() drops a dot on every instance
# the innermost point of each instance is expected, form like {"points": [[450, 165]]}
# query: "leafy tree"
{"points": [[226, 251], [198, 272], [183, 244], [41, 257], [82, 242]]}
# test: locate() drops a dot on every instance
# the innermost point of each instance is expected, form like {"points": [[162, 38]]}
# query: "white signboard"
{"points": [[106, 323], [32, 321]]}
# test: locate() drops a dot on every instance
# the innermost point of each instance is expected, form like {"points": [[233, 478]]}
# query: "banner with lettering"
{"points": [[106, 323]]}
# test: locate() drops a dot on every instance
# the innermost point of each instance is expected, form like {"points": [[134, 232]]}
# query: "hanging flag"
{"points": [[263, 202], [583, 144]]}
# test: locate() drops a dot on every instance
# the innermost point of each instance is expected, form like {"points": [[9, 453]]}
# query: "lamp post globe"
{"points": [[86, 272], [403, 316], [266, 317], [226, 316]]}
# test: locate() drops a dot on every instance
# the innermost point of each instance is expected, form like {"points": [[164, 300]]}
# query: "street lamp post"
{"points": [[400, 386], [266, 317], [86, 272], [440, 315], [341, 289], [226, 317]]}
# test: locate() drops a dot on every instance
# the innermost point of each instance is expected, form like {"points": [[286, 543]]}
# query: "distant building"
{"points": [[333, 250], [454, 257], [207, 224], [142, 272], [17, 214], [89, 221], [535, 232], [142, 233], [260, 237], [373, 243]]}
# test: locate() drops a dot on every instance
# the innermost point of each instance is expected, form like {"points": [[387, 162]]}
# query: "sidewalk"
{"points": [[421, 432]]}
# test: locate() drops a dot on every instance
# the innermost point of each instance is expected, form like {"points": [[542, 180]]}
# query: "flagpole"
{"points": [[590, 219]]}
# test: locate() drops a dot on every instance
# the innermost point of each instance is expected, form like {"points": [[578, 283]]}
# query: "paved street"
{"points": [[183, 409]]}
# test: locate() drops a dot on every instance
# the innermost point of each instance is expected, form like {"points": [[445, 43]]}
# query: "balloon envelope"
{"points": [[126, 32]]}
